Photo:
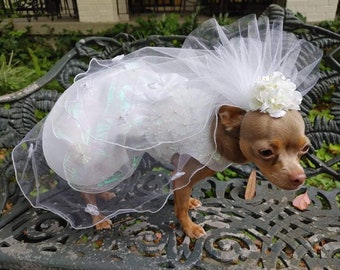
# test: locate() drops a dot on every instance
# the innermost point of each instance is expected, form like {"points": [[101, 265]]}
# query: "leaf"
{"points": [[7, 208], [83, 239], [251, 186], [35, 61], [334, 149], [98, 244], [220, 176], [302, 201]]}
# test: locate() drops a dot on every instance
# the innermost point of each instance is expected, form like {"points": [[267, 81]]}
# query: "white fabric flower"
{"points": [[275, 94]]}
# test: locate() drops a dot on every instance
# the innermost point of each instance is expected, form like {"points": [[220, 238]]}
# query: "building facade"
{"points": [[118, 10]]}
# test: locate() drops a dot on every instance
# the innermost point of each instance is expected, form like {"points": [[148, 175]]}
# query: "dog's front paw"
{"points": [[194, 231], [194, 203], [101, 225]]}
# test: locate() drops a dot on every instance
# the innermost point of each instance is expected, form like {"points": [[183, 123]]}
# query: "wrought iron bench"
{"points": [[266, 232]]}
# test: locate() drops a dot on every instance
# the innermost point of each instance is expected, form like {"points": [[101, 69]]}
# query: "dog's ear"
{"points": [[230, 117]]}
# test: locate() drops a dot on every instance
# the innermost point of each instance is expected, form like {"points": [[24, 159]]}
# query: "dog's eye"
{"points": [[305, 149], [266, 153]]}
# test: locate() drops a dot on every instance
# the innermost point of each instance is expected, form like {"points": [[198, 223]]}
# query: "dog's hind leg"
{"points": [[97, 219]]}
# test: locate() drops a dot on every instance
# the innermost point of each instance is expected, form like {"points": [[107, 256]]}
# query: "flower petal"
{"points": [[275, 94]]}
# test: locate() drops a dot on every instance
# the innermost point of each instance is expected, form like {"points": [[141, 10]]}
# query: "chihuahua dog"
{"points": [[274, 145]]}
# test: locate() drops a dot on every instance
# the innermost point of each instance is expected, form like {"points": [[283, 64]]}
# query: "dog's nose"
{"points": [[297, 178]]}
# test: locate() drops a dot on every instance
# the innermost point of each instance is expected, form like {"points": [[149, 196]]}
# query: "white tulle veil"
{"points": [[157, 101]]}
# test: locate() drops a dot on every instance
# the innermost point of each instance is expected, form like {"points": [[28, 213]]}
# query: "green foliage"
{"points": [[116, 29], [12, 40], [325, 181], [224, 19], [39, 115], [166, 25], [54, 84], [83, 239], [226, 175], [326, 113], [61, 44], [12, 76], [19, 41], [147, 27], [33, 55], [209, 193], [327, 152], [35, 62], [190, 22], [334, 26], [323, 109], [301, 17], [323, 66], [15, 76]]}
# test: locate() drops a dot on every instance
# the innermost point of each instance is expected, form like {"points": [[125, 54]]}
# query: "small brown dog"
{"points": [[274, 145]]}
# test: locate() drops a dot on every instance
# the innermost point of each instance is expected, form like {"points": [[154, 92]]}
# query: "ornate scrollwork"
{"points": [[265, 232]]}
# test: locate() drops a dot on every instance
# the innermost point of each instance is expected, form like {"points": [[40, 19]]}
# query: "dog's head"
{"points": [[275, 145]]}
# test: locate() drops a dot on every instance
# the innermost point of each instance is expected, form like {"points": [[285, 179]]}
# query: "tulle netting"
{"points": [[154, 101]]}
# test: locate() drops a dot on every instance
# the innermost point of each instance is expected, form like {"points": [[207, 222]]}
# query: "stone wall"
{"points": [[314, 10], [98, 11], [117, 10]]}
